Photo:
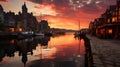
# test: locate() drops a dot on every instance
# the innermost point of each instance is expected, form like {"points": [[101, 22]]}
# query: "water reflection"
{"points": [[23, 47], [46, 51]]}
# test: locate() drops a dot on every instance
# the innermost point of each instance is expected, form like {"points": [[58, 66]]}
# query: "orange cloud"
{"points": [[63, 16], [4, 2], [46, 9], [66, 13]]}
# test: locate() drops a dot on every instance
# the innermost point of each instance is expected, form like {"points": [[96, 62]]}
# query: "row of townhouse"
{"points": [[108, 25]]}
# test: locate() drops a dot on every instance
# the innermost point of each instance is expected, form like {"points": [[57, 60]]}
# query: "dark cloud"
{"points": [[64, 7], [3, 0], [93, 7], [36, 1], [97, 6], [110, 2], [61, 2], [56, 2], [60, 6]]}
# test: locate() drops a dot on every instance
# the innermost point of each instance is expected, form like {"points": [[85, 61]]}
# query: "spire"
{"points": [[24, 8], [24, 59], [24, 5]]}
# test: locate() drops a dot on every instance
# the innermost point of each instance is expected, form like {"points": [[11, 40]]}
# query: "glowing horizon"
{"points": [[61, 13]]}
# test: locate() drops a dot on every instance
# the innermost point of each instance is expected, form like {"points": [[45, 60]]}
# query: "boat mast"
{"points": [[79, 24]]}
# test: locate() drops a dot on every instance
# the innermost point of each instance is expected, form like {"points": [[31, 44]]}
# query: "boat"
{"points": [[39, 34]]}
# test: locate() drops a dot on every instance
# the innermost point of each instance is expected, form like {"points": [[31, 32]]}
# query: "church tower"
{"points": [[1, 14], [24, 8], [24, 14]]}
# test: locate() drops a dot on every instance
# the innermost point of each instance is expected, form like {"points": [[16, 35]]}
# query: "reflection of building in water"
{"points": [[24, 47], [7, 48], [50, 63], [45, 40]]}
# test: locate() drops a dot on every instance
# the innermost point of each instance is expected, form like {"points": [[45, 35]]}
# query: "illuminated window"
{"points": [[114, 19], [11, 29], [12, 42], [102, 31], [20, 29], [108, 20], [110, 31]]}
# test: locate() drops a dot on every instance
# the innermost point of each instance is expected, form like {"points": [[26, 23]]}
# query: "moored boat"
{"points": [[39, 34]]}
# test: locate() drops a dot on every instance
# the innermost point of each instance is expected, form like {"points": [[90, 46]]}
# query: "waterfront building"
{"points": [[10, 21], [29, 22], [23, 21], [108, 25]]}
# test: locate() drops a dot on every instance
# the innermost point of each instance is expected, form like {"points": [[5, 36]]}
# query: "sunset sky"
{"points": [[61, 13]]}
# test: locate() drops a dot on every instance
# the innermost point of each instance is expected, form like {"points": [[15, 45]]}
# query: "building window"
{"points": [[110, 31], [102, 31], [12, 41], [19, 29], [114, 19], [108, 21], [11, 29]]}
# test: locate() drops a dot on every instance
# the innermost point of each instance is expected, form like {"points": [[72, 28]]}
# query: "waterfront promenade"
{"points": [[106, 52]]}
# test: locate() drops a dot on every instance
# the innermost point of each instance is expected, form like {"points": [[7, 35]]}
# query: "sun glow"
{"points": [[62, 13], [46, 10]]}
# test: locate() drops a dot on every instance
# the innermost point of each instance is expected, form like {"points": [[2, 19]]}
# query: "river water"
{"points": [[43, 51]]}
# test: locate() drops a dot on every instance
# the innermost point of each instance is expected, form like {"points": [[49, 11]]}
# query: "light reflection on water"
{"points": [[60, 48]]}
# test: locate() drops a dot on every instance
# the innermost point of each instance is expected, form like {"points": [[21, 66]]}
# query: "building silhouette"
{"points": [[108, 25], [23, 21], [44, 27]]}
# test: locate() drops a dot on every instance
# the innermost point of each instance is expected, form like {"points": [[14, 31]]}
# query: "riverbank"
{"points": [[106, 52]]}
